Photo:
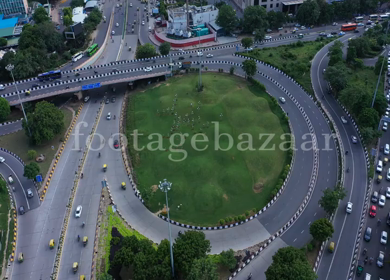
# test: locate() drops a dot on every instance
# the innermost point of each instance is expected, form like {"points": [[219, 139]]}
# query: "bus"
{"points": [[77, 56], [383, 17], [51, 75], [374, 17], [92, 49], [359, 19], [348, 27]]}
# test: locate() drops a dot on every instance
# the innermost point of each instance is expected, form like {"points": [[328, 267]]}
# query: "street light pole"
{"points": [[9, 68], [200, 66], [165, 186]]}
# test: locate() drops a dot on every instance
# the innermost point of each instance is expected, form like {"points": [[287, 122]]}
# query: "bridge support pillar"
{"points": [[79, 95]]}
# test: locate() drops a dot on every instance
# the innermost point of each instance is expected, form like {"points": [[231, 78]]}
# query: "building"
{"points": [[285, 6], [90, 5], [9, 28], [78, 15], [177, 17], [13, 7]]}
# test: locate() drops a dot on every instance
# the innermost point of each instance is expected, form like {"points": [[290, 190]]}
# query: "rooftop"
{"points": [[194, 9], [91, 4], [8, 22]]}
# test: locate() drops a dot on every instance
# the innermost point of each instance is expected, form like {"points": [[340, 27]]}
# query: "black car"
{"points": [[356, 31], [113, 99], [116, 144], [34, 85], [333, 33], [181, 58], [367, 234], [107, 100], [21, 210]]}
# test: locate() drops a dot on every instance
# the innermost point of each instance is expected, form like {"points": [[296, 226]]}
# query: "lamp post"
{"points": [[165, 186], [9, 68], [200, 66]]}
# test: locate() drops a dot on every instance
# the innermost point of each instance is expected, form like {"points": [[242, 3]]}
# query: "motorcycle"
{"points": [[364, 251], [348, 170], [365, 260]]}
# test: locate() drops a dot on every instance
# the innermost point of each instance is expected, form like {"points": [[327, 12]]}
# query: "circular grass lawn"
{"points": [[209, 182]]}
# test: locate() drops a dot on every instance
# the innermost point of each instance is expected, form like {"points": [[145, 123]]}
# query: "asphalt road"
{"points": [[9, 128]]}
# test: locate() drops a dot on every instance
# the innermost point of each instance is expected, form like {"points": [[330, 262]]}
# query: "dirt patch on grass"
{"points": [[225, 197], [164, 210], [154, 188], [258, 187]]}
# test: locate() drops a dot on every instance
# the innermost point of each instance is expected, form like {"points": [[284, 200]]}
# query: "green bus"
{"points": [[92, 49]]}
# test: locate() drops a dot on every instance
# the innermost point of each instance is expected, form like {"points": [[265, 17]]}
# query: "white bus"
{"points": [[383, 17], [359, 19], [77, 56], [373, 17]]}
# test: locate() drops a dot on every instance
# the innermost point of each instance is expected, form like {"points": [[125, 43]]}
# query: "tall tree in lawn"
{"points": [[337, 76], [145, 51], [203, 269], [259, 35], [31, 170], [226, 18], [5, 109], [368, 117], [321, 229], [308, 13], [188, 247], [355, 98], [227, 259], [290, 263], [164, 48], [255, 17], [46, 122], [40, 15], [247, 42], [249, 66]]}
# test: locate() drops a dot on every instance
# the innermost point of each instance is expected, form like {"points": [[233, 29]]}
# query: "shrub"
{"points": [[115, 240], [236, 219], [31, 154], [310, 247], [254, 210], [247, 213], [221, 222], [231, 70]]}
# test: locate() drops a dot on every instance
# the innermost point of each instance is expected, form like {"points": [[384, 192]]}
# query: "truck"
{"points": [[186, 65]]}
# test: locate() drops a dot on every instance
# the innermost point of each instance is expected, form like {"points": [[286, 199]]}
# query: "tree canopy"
{"points": [[46, 122], [249, 66], [227, 259], [203, 269], [40, 15], [31, 170], [330, 199], [145, 51], [321, 229], [3, 42], [308, 13], [255, 17], [226, 18], [164, 48], [290, 263], [77, 3], [247, 42], [5, 109]]}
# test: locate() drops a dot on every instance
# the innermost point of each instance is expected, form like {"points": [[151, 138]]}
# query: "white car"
{"points": [[382, 200], [384, 127], [86, 99], [354, 139], [303, 27], [143, 23], [329, 36], [131, 4], [282, 100], [10, 179], [112, 32], [386, 149], [2, 87], [388, 179], [199, 54], [29, 193], [148, 69], [149, 28], [209, 55], [343, 120], [78, 211], [384, 237], [334, 23], [349, 208], [180, 50], [360, 24], [2, 159], [342, 33], [249, 49], [381, 259], [388, 191], [116, 24], [268, 37], [108, 116]]}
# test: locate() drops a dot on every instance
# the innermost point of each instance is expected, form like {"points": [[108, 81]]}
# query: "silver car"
{"points": [[29, 193], [381, 259]]}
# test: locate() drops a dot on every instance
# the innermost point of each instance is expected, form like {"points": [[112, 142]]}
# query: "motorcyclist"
{"points": [[82, 175], [78, 237], [83, 224], [249, 276], [99, 154], [379, 222], [346, 152], [347, 169], [114, 117]]}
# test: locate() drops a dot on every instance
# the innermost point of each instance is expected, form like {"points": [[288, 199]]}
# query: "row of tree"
{"points": [[148, 50]]}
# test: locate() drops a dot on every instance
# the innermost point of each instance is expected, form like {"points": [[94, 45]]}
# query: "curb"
{"points": [[7, 123]]}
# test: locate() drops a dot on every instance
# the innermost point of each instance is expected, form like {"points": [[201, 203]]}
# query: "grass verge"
{"points": [[6, 223]]}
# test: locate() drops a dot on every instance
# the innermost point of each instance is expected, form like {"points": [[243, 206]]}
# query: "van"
{"points": [[379, 167]]}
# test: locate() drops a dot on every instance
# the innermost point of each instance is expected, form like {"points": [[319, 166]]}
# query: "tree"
{"points": [[46, 122], [226, 18], [31, 154], [68, 21], [368, 117], [189, 246], [105, 276], [255, 17], [249, 66], [337, 76], [355, 98], [93, 19], [321, 229], [335, 53], [67, 16], [276, 19], [67, 11], [203, 269], [3, 42], [164, 48], [290, 263], [247, 42], [351, 54], [40, 15], [3, 186], [259, 35], [330, 199], [369, 134], [227, 259], [31, 170], [77, 3], [308, 13], [145, 51], [378, 65], [5, 109], [326, 12]]}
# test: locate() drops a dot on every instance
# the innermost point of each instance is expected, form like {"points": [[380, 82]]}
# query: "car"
{"points": [[297, 25], [143, 23], [149, 29], [349, 208], [78, 211], [374, 197], [10, 179], [342, 33], [62, 17], [116, 144], [21, 210], [381, 259], [249, 49], [181, 57], [324, 70], [131, 4], [360, 24], [113, 99], [388, 191], [382, 200], [343, 120], [209, 55], [29, 193], [199, 54], [148, 69], [35, 85], [107, 101], [384, 237], [112, 32], [387, 97], [2, 159], [116, 24], [109, 114], [180, 50], [280, 28], [333, 32], [369, 22], [386, 149], [268, 37], [329, 36], [372, 211], [269, 30], [115, 70], [384, 127], [86, 99], [379, 166], [2, 87], [117, 5], [354, 139], [282, 100], [303, 27], [367, 234], [356, 31]]}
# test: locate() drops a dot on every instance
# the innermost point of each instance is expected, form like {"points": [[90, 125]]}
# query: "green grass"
{"points": [[293, 59], [208, 185], [5, 208], [18, 143]]}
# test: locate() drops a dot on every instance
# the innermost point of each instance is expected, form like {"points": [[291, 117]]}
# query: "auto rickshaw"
{"points": [[51, 243], [379, 179], [385, 161], [82, 277], [105, 167], [360, 268], [28, 92], [75, 267], [331, 247], [123, 185], [85, 240], [20, 257]]}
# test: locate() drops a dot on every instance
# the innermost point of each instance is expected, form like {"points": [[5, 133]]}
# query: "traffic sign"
{"points": [[90, 86], [38, 178]]}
